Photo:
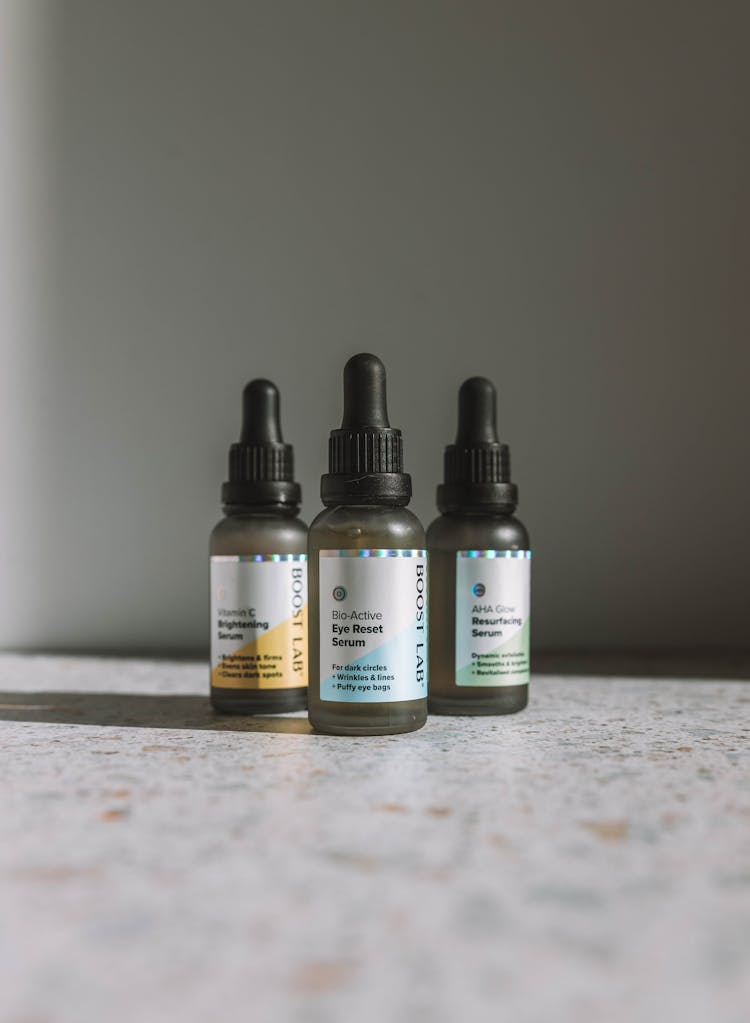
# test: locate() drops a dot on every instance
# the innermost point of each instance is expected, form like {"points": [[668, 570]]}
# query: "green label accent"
{"points": [[492, 618]]}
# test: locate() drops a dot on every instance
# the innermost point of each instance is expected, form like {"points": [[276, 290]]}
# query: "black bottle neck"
{"points": [[281, 511], [480, 511], [479, 498]]}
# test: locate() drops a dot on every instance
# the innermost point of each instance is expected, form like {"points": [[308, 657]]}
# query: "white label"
{"points": [[373, 625], [492, 617], [259, 621]]}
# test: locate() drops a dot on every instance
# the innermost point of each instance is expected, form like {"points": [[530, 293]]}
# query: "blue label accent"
{"points": [[379, 674]]}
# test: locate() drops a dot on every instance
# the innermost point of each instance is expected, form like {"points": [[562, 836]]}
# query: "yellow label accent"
{"points": [[277, 659]]}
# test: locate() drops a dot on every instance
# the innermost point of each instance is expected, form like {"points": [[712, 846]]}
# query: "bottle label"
{"points": [[259, 621], [492, 618], [373, 625]]}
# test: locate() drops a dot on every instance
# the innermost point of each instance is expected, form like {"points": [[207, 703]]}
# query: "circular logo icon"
{"points": [[478, 589], [339, 593]]}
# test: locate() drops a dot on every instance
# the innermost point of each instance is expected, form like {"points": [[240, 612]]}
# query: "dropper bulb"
{"points": [[477, 412], [364, 393], [261, 421]]}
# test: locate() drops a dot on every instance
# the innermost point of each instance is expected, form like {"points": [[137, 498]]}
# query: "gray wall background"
{"points": [[551, 194]]}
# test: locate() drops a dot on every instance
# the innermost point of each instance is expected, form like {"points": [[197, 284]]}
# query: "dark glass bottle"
{"points": [[259, 571], [479, 572], [367, 558]]}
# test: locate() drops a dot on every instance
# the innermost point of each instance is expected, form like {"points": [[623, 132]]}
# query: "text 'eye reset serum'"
{"points": [[259, 571], [480, 568], [368, 575]]}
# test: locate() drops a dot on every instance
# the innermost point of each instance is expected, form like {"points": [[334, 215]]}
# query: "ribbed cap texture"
{"points": [[361, 451], [260, 463], [485, 463]]}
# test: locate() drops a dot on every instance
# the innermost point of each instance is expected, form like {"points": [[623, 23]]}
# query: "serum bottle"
{"points": [[368, 575], [259, 571], [480, 562]]}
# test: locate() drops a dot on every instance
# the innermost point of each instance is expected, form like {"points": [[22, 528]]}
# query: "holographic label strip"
{"points": [[235, 558], [493, 554], [374, 553]]}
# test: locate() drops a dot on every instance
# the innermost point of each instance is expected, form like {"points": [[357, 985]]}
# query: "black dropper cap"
{"points": [[365, 456], [477, 465], [261, 465]]}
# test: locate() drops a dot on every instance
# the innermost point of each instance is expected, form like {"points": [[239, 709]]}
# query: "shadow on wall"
{"points": [[551, 195], [654, 664]]}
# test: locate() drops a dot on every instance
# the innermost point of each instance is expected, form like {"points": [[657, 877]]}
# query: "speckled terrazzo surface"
{"points": [[587, 860]]}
